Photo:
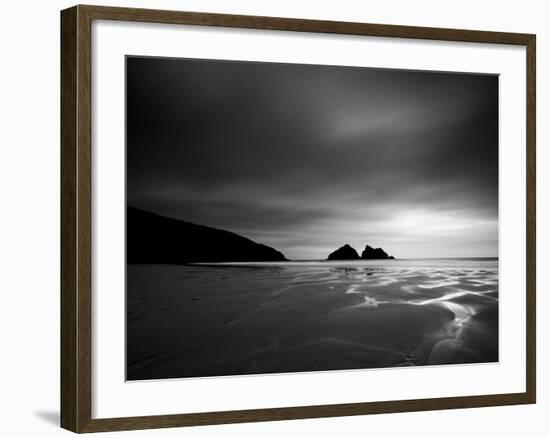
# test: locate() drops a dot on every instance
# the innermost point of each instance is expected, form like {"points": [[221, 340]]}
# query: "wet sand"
{"points": [[194, 321]]}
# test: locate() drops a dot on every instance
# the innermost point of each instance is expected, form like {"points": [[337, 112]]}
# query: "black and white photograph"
{"points": [[287, 218], [236, 219]]}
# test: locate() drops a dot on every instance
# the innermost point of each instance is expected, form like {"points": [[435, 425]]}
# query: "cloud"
{"points": [[306, 158]]}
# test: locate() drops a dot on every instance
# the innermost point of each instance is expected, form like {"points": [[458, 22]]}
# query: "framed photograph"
{"points": [[271, 218]]}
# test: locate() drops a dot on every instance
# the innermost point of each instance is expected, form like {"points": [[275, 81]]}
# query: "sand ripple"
{"points": [[189, 321]]}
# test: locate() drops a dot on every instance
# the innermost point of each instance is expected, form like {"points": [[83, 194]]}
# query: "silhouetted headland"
{"points": [[347, 252], [374, 253], [156, 239]]}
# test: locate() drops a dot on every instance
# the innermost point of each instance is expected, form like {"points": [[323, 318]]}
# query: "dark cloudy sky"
{"points": [[305, 158]]}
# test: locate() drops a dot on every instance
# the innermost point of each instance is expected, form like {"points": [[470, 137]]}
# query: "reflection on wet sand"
{"points": [[185, 321]]}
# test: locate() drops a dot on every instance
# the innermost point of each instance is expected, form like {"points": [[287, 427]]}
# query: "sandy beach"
{"points": [[233, 319]]}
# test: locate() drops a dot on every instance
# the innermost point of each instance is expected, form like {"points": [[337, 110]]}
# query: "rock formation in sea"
{"points": [[345, 252], [155, 239], [370, 253]]}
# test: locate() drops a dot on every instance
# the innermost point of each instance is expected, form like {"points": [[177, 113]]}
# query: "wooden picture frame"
{"points": [[76, 218]]}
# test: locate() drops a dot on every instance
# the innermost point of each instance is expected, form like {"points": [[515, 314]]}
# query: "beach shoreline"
{"points": [[199, 321]]}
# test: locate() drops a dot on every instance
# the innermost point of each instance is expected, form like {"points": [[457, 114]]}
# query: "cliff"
{"points": [[374, 253], [345, 252], [155, 239]]}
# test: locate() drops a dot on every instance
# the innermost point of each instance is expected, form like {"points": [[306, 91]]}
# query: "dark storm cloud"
{"points": [[305, 158]]}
